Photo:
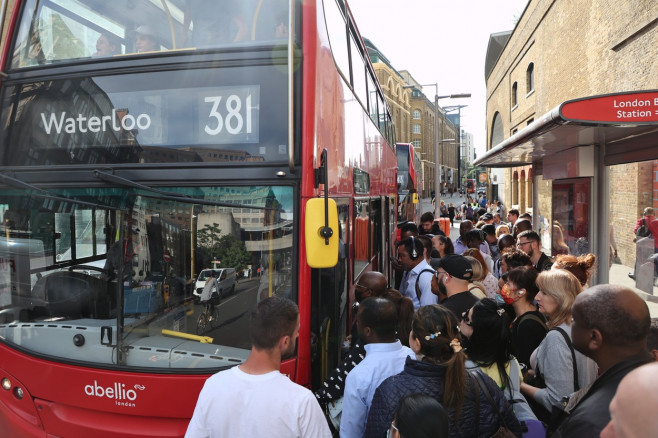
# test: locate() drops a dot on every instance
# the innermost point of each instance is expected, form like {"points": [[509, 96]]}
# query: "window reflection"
{"points": [[633, 204], [124, 268], [61, 30]]}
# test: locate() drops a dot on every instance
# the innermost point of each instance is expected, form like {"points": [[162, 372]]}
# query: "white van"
{"points": [[225, 279]]}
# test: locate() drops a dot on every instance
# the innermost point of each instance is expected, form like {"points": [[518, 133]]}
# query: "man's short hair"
{"points": [[411, 244], [489, 229], [602, 311], [514, 212], [648, 211], [526, 216], [515, 257], [474, 234], [272, 319], [380, 314], [409, 227], [530, 235], [652, 339], [428, 216]]}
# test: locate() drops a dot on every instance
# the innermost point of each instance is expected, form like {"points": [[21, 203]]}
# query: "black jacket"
{"points": [[426, 378], [544, 263], [591, 414]]}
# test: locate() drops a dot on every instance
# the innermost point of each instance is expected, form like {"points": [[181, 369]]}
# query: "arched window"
{"points": [[496, 130], [530, 77], [416, 114], [515, 90]]}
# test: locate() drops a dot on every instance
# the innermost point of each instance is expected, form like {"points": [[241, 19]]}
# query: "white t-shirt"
{"points": [[233, 403]]}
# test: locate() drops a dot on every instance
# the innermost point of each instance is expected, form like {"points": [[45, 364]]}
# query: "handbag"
{"points": [[555, 415], [503, 431], [335, 412]]}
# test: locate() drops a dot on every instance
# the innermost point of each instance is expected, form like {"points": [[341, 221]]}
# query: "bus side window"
{"points": [[208, 24], [270, 20]]}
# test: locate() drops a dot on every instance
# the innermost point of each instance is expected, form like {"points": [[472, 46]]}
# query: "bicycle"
{"points": [[207, 318]]}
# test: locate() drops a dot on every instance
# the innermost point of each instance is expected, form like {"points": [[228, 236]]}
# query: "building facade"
{"points": [[414, 117], [560, 51]]}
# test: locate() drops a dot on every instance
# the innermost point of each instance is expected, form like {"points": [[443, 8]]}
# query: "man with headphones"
{"points": [[412, 258]]}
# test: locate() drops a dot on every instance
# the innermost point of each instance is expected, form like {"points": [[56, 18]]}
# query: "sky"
{"points": [[440, 41]]}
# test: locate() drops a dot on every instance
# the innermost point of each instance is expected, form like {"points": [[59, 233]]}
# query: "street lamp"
{"points": [[458, 108]]}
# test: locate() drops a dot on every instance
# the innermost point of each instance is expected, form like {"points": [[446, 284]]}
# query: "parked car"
{"points": [[225, 279]]}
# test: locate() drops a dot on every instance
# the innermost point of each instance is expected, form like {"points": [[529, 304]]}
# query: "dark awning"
{"points": [[626, 122]]}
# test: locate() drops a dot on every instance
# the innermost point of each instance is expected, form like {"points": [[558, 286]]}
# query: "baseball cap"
{"points": [[145, 29], [454, 264]]}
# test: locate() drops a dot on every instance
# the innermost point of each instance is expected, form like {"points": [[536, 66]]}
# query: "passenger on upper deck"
{"points": [[213, 22], [107, 45], [146, 39]]}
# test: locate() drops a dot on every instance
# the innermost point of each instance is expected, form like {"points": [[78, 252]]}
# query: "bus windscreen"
{"points": [[115, 276]]}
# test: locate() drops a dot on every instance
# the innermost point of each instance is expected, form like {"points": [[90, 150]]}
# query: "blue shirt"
{"points": [[408, 286], [381, 362]]}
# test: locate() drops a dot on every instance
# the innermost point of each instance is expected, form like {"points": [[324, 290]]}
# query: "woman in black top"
{"points": [[529, 327]]}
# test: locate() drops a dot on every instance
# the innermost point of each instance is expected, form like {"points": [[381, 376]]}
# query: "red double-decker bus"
{"points": [[146, 144]]}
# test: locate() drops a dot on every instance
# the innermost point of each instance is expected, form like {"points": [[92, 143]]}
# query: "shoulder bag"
{"points": [[503, 431]]}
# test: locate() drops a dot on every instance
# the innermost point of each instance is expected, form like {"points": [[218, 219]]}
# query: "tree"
{"points": [[208, 238]]}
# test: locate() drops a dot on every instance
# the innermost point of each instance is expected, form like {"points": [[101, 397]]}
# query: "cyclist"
{"points": [[210, 294]]}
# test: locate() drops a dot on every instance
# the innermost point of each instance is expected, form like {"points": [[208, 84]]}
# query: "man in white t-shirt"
{"points": [[254, 399]]}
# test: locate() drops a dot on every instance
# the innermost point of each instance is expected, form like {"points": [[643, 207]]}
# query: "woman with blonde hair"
{"points": [[559, 245], [503, 229], [582, 266], [559, 369], [439, 371]]}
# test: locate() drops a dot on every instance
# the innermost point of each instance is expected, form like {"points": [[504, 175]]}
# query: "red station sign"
{"points": [[636, 107]]}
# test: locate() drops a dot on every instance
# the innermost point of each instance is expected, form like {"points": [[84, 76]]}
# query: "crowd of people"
{"points": [[484, 336]]}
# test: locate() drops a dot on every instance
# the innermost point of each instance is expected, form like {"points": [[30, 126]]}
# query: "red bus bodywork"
{"points": [[55, 398]]}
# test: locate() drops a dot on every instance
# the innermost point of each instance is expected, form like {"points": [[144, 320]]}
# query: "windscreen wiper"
{"points": [[170, 196], [42, 193]]}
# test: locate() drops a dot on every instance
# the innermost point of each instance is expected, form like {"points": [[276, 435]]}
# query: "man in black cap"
{"points": [[450, 283]]}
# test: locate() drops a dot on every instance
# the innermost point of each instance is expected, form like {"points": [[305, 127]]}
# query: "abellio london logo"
{"points": [[122, 395]]}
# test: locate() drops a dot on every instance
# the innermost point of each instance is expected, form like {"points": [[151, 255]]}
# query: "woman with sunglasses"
{"points": [[486, 336], [529, 327], [559, 369], [440, 372]]}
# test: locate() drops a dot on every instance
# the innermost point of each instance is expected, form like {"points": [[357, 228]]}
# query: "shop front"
{"points": [[595, 172]]}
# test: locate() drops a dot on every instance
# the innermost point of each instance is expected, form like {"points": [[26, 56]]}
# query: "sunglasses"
{"points": [[466, 318]]}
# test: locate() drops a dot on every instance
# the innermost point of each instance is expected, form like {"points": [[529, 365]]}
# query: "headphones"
{"points": [[413, 255]]}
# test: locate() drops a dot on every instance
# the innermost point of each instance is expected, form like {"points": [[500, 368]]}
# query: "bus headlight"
{"points": [[6, 384], [18, 392]]}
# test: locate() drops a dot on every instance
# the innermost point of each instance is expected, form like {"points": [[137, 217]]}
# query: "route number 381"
{"points": [[229, 115]]}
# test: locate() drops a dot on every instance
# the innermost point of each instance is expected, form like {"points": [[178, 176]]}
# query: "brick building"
{"points": [[561, 50]]}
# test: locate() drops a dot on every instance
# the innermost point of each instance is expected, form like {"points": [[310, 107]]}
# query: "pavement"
{"points": [[618, 273]]}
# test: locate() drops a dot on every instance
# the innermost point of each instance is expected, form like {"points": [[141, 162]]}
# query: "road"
{"points": [[233, 328]]}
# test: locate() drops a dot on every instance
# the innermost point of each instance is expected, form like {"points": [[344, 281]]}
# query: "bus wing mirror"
{"points": [[321, 252]]}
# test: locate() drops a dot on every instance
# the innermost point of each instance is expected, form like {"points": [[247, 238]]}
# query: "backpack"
{"points": [[469, 212], [643, 230]]}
